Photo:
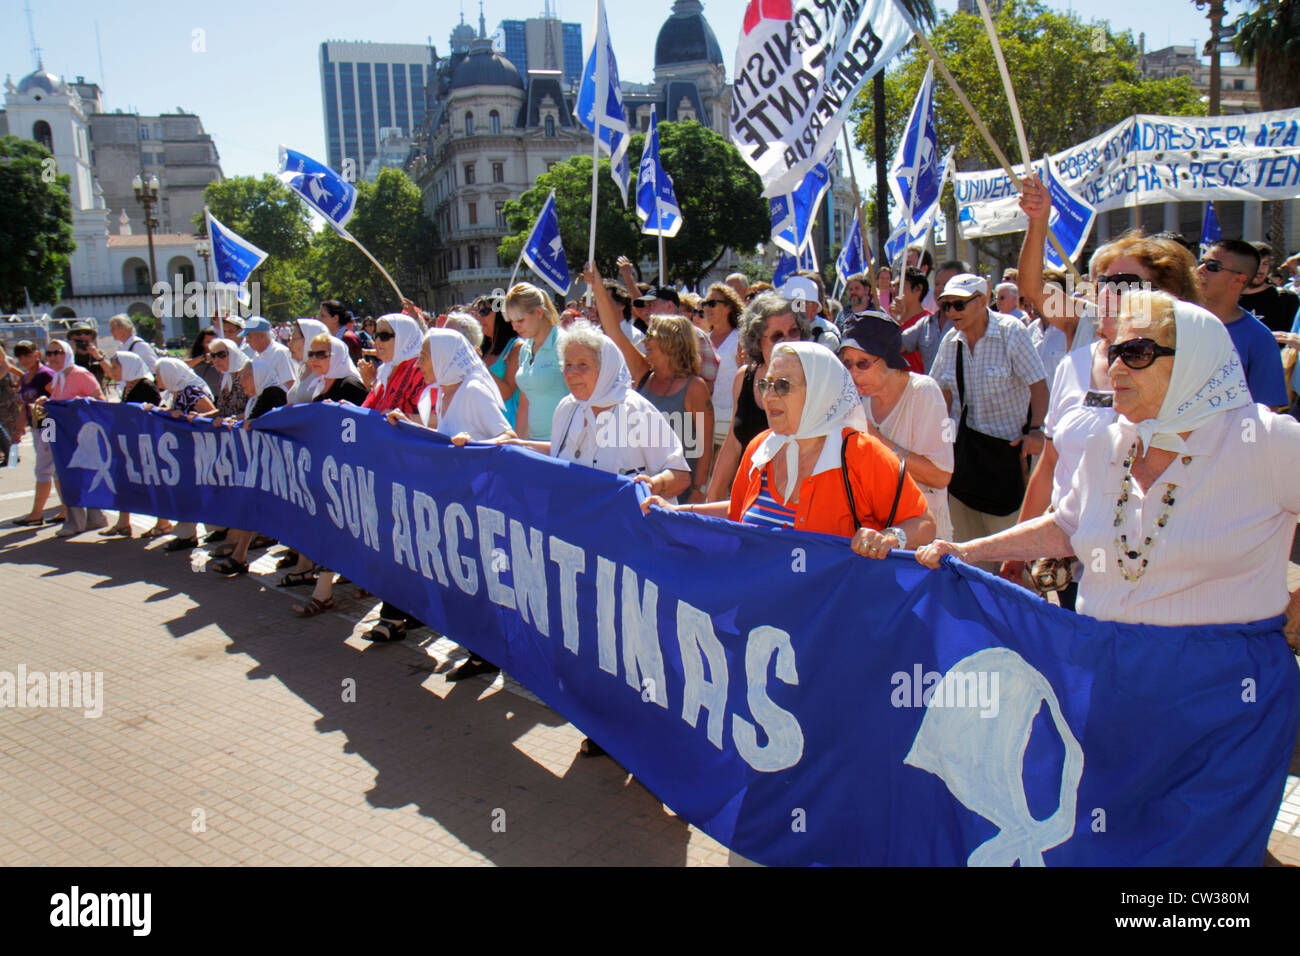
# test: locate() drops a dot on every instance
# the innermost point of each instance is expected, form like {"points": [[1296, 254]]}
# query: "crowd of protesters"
{"points": [[1026, 424]]}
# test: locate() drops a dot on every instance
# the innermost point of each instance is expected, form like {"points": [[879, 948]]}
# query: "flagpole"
{"points": [[862, 215], [984, 132]]}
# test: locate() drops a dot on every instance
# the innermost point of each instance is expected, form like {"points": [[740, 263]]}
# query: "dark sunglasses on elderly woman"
{"points": [[1128, 280], [222, 354], [780, 387], [1137, 353], [385, 336], [318, 355]]}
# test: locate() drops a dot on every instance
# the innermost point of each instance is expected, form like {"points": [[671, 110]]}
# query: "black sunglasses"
{"points": [[54, 351], [959, 306], [385, 336], [780, 387], [220, 354], [1214, 265], [1137, 353], [1129, 280], [713, 302], [318, 355]]}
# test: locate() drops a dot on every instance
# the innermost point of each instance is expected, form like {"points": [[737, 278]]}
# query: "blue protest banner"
{"points": [[799, 703], [1071, 218]]}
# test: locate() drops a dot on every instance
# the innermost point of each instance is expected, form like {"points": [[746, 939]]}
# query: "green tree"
{"points": [[36, 241], [1269, 38], [719, 195], [268, 214], [389, 220], [617, 228]]}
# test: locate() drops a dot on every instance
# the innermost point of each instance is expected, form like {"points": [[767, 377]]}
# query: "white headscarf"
{"points": [[69, 361], [612, 385], [263, 375], [235, 356], [304, 389], [454, 361], [173, 375], [1207, 380], [830, 404], [133, 367], [405, 347], [340, 366]]}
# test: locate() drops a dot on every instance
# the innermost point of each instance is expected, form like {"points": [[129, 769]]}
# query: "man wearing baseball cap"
{"points": [[259, 345], [806, 290], [990, 360]]}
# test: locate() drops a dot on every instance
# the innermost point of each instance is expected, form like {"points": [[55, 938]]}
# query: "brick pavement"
{"points": [[225, 737]]}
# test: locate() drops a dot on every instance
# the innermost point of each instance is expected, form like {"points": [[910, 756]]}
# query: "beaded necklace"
{"points": [[1121, 542]]}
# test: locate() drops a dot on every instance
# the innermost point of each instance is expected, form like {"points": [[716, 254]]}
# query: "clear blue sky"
{"points": [[257, 84]]}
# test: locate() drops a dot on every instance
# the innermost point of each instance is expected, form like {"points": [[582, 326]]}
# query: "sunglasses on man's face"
{"points": [[485, 312], [385, 336], [1137, 353], [954, 306], [1215, 266], [780, 387], [318, 355]]}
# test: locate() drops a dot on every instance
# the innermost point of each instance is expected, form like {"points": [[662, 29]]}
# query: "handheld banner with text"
{"points": [[799, 703]]}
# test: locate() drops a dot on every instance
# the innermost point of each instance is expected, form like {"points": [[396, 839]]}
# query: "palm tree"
{"points": [[1269, 38], [923, 12]]}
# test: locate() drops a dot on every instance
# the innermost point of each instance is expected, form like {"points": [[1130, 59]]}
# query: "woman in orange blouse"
{"points": [[793, 474]]}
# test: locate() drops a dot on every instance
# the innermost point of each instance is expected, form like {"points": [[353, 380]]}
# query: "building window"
{"points": [[144, 132], [42, 134], [645, 121], [498, 172], [550, 164], [501, 214], [469, 174], [550, 127], [473, 257], [469, 124], [142, 280], [494, 122], [472, 207], [458, 258]]}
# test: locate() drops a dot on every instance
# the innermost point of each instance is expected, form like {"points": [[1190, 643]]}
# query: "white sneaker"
{"points": [[95, 519]]}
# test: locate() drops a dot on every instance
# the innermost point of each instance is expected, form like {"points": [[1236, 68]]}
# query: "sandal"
{"points": [[313, 607], [181, 544], [590, 748], [115, 532], [155, 533], [296, 579], [472, 668], [222, 551], [230, 568], [28, 522], [215, 537], [386, 632], [287, 560], [262, 541]]}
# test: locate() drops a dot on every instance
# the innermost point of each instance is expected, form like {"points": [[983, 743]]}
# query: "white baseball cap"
{"points": [[800, 287], [965, 286]]}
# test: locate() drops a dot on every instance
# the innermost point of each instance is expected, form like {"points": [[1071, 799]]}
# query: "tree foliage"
{"points": [[389, 221], [36, 241], [719, 195], [1072, 80], [1269, 38]]}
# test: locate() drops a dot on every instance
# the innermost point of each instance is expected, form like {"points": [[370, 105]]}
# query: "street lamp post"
{"points": [[204, 248], [146, 193]]}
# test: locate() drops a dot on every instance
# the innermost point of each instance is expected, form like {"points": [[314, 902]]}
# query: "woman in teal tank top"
{"points": [[540, 377]]}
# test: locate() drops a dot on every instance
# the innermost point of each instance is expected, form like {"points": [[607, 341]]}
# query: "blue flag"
{"points": [[793, 215], [851, 260], [922, 221], [914, 717], [544, 251], [914, 177], [656, 203], [1210, 231], [1071, 218], [600, 101], [320, 187], [233, 257]]}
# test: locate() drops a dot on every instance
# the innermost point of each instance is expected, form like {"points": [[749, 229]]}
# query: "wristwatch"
{"points": [[898, 533]]}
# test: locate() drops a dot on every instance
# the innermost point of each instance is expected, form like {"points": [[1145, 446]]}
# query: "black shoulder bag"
{"points": [[986, 475], [848, 488]]}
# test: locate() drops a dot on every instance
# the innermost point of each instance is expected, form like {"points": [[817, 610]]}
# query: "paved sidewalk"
{"points": [[227, 737]]}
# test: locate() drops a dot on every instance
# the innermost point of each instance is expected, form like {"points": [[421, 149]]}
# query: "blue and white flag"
{"points": [[793, 214], [320, 187], [914, 177], [922, 219], [233, 257], [1210, 231], [544, 252], [656, 203], [852, 259], [787, 265], [1070, 221], [600, 101]]}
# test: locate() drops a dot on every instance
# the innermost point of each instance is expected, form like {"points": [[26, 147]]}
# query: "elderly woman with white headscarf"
{"points": [[469, 408], [229, 359], [304, 331], [398, 383], [1191, 495], [335, 378], [183, 394], [815, 468], [137, 388]]}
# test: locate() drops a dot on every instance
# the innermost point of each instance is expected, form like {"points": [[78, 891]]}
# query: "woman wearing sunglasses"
{"points": [[816, 468], [336, 378], [767, 322], [722, 311], [201, 362], [229, 359], [1080, 401], [72, 381]]}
